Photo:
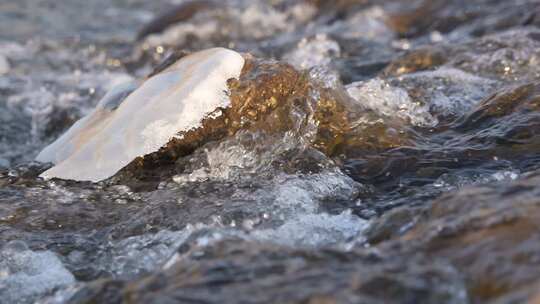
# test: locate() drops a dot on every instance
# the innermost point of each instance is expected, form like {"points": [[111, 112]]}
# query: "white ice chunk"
{"points": [[121, 129]]}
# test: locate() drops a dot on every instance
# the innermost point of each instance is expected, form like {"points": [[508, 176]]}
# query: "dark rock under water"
{"points": [[375, 152]]}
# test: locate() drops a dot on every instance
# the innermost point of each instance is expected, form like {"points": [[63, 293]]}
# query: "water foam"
{"points": [[379, 96], [27, 274]]}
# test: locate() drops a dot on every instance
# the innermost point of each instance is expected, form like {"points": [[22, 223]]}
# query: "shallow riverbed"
{"points": [[425, 191]]}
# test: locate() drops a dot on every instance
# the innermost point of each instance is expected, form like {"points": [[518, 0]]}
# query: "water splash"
{"points": [[380, 96]]}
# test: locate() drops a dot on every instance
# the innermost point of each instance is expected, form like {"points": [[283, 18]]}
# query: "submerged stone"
{"points": [[234, 271]]}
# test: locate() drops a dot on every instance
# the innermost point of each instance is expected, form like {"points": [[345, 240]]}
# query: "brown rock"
{"points": [[416, 60], [275, 98]]}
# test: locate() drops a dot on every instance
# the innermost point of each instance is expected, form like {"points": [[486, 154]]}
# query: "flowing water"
{"points": [[403, 165]]}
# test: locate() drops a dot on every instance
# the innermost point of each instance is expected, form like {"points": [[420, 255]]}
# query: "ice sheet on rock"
{"points": [[26, 275], [176, 100], [381, 97], [93, 123]]}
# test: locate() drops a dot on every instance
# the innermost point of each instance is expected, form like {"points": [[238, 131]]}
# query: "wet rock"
{"points": [[274, 98], [518, 100], [234, 24], [489, 234], [180, 13], [358, 25], [507, 120], [475, 19], [508, 56], [392, 224], [494, 124], [333, 112], [323, 277], [269, 97], [417, 60]]}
